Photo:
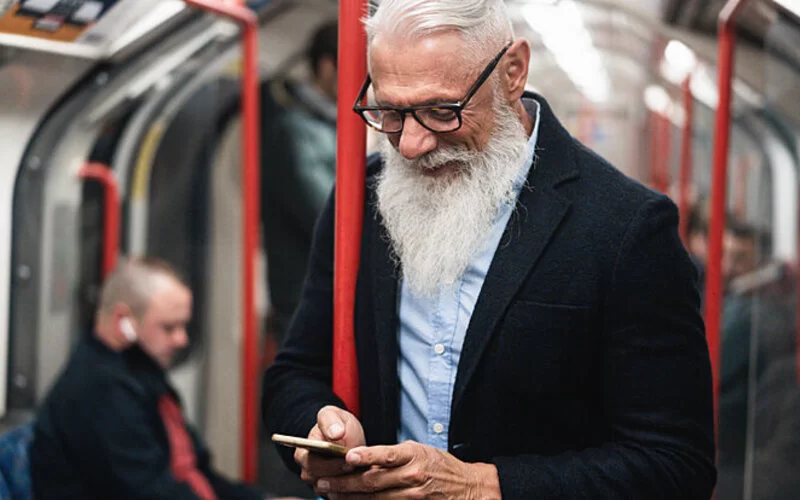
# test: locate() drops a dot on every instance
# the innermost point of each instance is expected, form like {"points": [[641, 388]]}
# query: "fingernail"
{"points": [[323, 486], [354, 458], [335, 429]]}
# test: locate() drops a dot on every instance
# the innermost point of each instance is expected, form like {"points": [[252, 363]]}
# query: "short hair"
{"points": [[133, 283], [762, 240], [482, 23], [324, 43]]}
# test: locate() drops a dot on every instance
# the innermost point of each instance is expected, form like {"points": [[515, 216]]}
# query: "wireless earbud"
{"points": [[126, 327]]}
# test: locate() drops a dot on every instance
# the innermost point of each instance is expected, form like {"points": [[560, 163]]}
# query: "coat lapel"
{"points": [[538, 213], [385, 289]]}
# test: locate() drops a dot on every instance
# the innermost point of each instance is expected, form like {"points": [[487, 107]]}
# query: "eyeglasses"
{"points": [[441, 118]]}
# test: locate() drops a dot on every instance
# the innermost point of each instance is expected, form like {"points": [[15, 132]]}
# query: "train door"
{"points": [[24, 74], [57, 218]]}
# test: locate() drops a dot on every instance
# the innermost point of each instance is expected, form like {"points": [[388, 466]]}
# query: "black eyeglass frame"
{"points": [[456, 107]]}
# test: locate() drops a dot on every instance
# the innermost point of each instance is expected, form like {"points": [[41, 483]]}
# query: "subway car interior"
{"points": [[126, 138]]}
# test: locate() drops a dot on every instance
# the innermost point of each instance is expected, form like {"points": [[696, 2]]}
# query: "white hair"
{"points": [[478, 21]]}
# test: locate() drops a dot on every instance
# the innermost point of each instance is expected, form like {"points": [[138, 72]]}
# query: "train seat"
{"points": [[15, 479]]}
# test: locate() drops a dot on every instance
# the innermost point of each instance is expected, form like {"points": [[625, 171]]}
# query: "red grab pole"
{"points": [[250, 227], [665, 140], [660, 134], [101, 173], [719, 180], [350, 182], [685, 173]]}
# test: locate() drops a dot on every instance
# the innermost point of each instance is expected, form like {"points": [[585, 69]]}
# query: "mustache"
{"points": [[443, 155]]}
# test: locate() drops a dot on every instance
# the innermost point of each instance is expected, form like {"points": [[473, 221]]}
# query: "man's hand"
{"points": [[336, 426], [411, 470]]}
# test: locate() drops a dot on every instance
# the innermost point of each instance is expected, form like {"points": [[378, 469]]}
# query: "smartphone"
{"points": [[312, 445]]}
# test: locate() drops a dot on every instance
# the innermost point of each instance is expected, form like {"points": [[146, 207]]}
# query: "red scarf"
{"points": [[183, 462]]}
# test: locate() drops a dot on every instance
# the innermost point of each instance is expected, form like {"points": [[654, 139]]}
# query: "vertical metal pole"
{"points": [[111, 215], [251, 125], [665, 140], [350, 183], [719, 180], [686, 170], [251, 200]]}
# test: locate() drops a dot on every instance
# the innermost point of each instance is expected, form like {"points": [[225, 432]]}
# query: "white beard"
{"points": [[436, 225]]}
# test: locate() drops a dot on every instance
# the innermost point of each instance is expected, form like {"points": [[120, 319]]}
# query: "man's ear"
{"points": [[515, 70], [124, 322], [121, 310]]}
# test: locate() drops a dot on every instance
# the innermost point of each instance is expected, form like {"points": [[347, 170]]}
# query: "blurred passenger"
{"points": [[299, 158], [742, 246], [739, 258], [757, 368], [527, 322], [112, 426]]}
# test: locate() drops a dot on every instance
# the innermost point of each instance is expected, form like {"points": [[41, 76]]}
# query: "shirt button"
{"points": [[438, 349], [438, 428]]}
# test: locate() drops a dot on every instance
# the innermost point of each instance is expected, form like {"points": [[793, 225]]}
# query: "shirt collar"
{"points": [[534, 111]]}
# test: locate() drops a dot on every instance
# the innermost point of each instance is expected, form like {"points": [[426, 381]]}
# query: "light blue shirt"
{"points": [[432, 332]]}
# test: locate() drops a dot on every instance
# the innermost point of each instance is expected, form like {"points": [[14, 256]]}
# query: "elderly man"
{"points": [[112, 426], [527, 321]]}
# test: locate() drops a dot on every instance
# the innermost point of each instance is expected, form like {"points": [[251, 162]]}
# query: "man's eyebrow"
{"points": [[433, 102]]}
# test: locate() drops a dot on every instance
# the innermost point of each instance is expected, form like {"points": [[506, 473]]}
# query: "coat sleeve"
{"points": [[657, 383], [299, 383]]}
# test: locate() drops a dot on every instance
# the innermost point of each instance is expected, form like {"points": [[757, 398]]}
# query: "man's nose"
{"points": [[415, 140], [181, 338]]}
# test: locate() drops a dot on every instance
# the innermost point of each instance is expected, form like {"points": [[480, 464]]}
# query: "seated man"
{"points": [[527, 320], [112, 426]]}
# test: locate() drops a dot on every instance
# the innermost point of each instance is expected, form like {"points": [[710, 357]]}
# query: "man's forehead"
{"points": [[411, 69], [450, 41], [170, 296]]}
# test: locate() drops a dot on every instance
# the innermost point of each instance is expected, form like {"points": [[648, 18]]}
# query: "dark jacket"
{"points": [[585, 371], [99, 434]]}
